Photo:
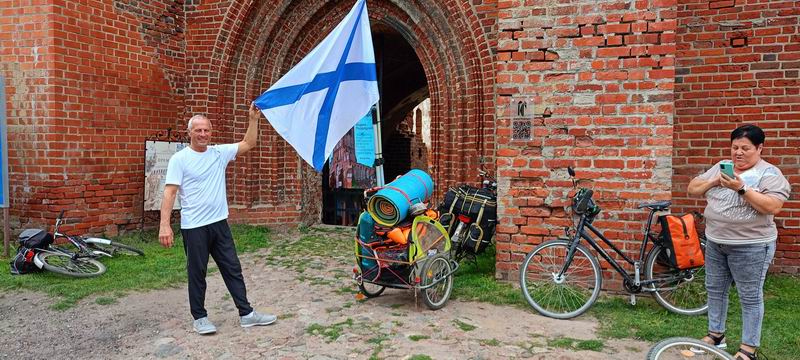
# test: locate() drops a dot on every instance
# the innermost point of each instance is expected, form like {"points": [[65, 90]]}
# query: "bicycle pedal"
{"points": [[633, 299]]}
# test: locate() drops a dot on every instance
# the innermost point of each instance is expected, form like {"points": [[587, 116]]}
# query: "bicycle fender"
{"points": [[97, 241], [38, 262]]}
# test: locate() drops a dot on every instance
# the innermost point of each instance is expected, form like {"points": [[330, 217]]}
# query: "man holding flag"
{"points": [[325, 94], [319, 100]]}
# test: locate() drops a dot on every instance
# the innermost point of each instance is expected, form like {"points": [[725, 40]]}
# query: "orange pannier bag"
{"points": [[679, 236]]}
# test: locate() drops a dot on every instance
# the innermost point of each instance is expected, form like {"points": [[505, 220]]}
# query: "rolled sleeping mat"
{"points": [[390, 205]]}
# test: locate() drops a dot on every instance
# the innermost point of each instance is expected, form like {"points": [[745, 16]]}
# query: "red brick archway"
{"points": [[265, 40]]}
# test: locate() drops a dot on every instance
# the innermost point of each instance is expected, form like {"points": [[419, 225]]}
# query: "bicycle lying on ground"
{"points": [[81, 262], [562, 279], [682, 348]]}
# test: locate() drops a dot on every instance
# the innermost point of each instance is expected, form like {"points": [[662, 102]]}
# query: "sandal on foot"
{"points": [[746, 355]]}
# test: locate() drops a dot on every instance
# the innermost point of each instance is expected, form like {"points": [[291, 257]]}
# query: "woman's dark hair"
{"points": [[751, 132]]}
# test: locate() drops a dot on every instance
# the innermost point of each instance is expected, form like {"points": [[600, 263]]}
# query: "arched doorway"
{"points": [[263, 40], [403, 86]]}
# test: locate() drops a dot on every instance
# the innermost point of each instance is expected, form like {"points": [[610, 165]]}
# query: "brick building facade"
{"points": [[639, 95]]}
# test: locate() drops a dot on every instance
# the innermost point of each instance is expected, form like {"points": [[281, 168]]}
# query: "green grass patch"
{"points": [[464, 326], [330, 332], [649, 321], [418, 337], [160, 268], [477, 283], [575, 344], [489, 342], [420, 357], [104, 300]]}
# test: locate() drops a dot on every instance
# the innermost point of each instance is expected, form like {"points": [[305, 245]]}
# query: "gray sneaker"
{"points": [[255, 318], [204, 326]]}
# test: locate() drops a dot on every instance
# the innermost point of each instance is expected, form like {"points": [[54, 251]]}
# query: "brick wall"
{"points": [[599, 77], [739, 62], [88, 82], [91, 80]]}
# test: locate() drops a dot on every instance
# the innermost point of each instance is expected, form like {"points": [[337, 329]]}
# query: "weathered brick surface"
{"points": [[604, 73], [739, 62], [88, 81], [123, 69], [639, 96]]}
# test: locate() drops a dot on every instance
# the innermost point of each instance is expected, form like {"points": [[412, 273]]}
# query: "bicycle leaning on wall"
{"points": [[562, 279]]}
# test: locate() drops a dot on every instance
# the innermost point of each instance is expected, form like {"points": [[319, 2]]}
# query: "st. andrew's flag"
{"points": [[325, 94]]}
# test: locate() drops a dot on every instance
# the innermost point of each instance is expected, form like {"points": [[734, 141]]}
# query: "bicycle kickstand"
{"points": [[633, 299]]}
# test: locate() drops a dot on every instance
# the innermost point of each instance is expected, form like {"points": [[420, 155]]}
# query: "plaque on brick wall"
{"points": [[520, 111], [156, 158]]}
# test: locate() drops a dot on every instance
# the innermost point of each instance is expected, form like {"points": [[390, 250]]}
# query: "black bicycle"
{"points": [[562, 279]]}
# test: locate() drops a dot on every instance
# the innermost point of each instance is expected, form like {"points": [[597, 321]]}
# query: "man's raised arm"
{"points": [[250, 136]]}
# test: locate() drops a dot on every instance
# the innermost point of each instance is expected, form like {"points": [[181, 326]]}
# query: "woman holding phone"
{"points": [[743, 195]]}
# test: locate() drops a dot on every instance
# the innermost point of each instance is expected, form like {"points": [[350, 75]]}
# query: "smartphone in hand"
{"points": [[726, 167]]}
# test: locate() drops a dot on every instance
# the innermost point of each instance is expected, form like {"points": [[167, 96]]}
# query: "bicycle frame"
{"points": [[581, 232]]}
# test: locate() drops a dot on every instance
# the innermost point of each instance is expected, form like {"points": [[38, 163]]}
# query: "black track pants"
{"points": [[214, 239]]}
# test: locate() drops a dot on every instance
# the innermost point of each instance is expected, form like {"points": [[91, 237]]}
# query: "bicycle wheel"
{"points": [[371, 290], [64, 264], [113, 248], [680, 348], [437, 270], [565, 297], [679, 291]]}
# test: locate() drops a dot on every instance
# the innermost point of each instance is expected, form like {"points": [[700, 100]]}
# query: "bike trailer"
{"points": [[479, 207], [679, 235], [387, 255]]}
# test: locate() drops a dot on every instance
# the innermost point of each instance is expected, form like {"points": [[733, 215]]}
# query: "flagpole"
{"points": [[376, 126], [376, 120]]}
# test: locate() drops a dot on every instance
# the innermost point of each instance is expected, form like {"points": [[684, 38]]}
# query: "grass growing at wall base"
{"points": [[647, 320], [160, 268]]}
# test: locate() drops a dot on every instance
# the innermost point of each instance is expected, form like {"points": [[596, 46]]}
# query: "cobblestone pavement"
{"points": [[319, 318]]}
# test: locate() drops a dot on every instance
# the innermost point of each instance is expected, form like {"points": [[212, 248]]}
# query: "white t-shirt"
{"points": [[200, 177]]}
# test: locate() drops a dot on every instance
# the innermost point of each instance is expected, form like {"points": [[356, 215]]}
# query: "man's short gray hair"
{"points": [[198, 116]]}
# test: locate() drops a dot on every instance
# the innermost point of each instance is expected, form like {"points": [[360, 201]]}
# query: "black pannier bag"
{"points": [[35, 239], [480, 205], [22, 263]]}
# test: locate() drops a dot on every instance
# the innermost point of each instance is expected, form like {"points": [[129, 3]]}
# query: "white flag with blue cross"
{"points": [[319, 100]]}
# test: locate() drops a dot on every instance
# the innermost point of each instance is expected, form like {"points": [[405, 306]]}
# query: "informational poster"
{"points": [[344, 171], [156, 159], [365, 141], [4, 139]]}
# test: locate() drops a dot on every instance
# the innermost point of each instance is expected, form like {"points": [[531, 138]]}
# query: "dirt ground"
{"points": [[319, 318]]}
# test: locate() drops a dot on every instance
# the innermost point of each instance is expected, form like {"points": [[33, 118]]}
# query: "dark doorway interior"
{"points": [[403, 86]]}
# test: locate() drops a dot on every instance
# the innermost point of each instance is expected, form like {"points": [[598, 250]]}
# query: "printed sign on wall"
{"points": [[156, 159]]}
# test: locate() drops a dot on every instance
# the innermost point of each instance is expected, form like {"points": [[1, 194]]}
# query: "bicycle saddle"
{"points": [[656, 206]]}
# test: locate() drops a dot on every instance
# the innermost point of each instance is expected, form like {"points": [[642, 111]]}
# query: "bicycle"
{"points": [[468, 217], [561, 279], [83, 261], [681, 348]]}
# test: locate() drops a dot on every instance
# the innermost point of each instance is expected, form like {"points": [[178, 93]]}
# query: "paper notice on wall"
{"points": [[157, 156]]}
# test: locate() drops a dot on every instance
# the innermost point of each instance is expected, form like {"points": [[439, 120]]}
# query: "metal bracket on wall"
{"points": [[169, 135]]}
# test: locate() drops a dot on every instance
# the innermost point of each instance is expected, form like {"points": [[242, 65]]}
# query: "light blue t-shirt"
{"points": [[200, 177]]}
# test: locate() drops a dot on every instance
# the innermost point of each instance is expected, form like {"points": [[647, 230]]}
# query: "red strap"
{"points": [[402, 193], [423, 185]]}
